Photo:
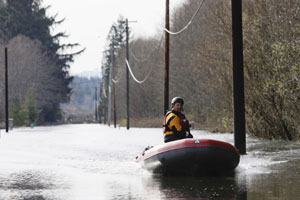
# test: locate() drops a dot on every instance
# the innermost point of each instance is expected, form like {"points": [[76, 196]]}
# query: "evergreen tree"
{"points": [[30, 104], [18, 113], [28, 18], [116, 40]]}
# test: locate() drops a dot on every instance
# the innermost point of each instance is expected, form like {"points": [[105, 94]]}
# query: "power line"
{"points": [[132, 75], [149, 55], [104, 92], [141, 59], [144, 59], [189, 22], [151, 68], [119, 77]]}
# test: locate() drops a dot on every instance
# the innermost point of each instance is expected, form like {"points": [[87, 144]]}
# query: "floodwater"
{"points": [[96, 162]]}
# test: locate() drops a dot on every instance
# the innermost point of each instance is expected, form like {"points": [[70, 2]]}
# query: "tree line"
{"points": [[38, 74], [201, 68], [82, 105]]}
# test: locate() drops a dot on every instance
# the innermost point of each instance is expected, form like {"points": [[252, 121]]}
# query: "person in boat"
{"points": [[176, 126]]}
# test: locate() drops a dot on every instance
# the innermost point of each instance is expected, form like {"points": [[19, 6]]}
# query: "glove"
{"points": [[185, 124], [188, 135]]}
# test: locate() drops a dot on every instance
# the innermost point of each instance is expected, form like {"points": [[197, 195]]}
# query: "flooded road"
{"points": [[94, 162]]}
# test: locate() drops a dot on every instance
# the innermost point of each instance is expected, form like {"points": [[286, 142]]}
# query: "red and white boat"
{"points": [[191, 157]]}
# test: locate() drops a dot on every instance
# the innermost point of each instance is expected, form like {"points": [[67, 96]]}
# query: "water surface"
{"points": [[95, 162]]}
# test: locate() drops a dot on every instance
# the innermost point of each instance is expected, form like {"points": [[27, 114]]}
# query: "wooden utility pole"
{"points": [[167, 56], [127, 76], [100, 103], [113, 87], [96, 109], [6, 90], [109, 90], [114, 107], [238, 77]]}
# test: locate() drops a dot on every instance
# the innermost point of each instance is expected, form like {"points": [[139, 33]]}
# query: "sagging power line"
{"points": [[144, 59], [151, 66], [129, 69], [189, 22]]}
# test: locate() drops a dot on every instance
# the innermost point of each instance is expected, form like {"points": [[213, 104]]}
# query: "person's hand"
{"points": [[185, 124], [188, 135]]}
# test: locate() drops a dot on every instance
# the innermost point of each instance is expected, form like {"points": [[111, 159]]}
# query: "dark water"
{"points": [[93, 162]]}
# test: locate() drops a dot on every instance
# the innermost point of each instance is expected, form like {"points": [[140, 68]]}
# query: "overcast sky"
{"points": [[88, 23]]}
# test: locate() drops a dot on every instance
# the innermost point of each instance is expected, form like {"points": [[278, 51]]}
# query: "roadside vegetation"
{"points": [[201, 68], [83, 101], [40, 86], [38, 76]]}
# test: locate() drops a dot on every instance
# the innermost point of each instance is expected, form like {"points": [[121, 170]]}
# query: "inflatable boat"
{"points": [[191, 157]]}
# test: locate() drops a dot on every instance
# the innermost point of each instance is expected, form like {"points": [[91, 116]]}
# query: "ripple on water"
{"points": [[33, 185]]}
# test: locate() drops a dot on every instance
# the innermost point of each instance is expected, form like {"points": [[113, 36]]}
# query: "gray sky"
{"points": [[88, 23]]}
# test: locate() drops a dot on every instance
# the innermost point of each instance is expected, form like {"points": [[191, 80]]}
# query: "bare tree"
{"points": [[201, 67], [29, 68]]}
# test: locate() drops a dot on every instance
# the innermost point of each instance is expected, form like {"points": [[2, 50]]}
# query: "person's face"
{"points": [[177, 107]]}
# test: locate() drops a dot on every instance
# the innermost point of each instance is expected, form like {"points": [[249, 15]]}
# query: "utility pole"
{"points": [[113, 86], [127, 75], [104, 105], [167, 56], [114, 107], [6, 90], [100, 102], [96, 109], [109, 90], [238, 77]]}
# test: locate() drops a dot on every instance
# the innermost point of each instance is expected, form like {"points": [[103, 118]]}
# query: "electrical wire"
{"points": [[132, 75], [187, 25], [119, 78], [140, 59], [104, 92], [151, 68]]}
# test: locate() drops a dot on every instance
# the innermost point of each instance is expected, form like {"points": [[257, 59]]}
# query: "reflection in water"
{"points": [[282, 183], [200, 188]]}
